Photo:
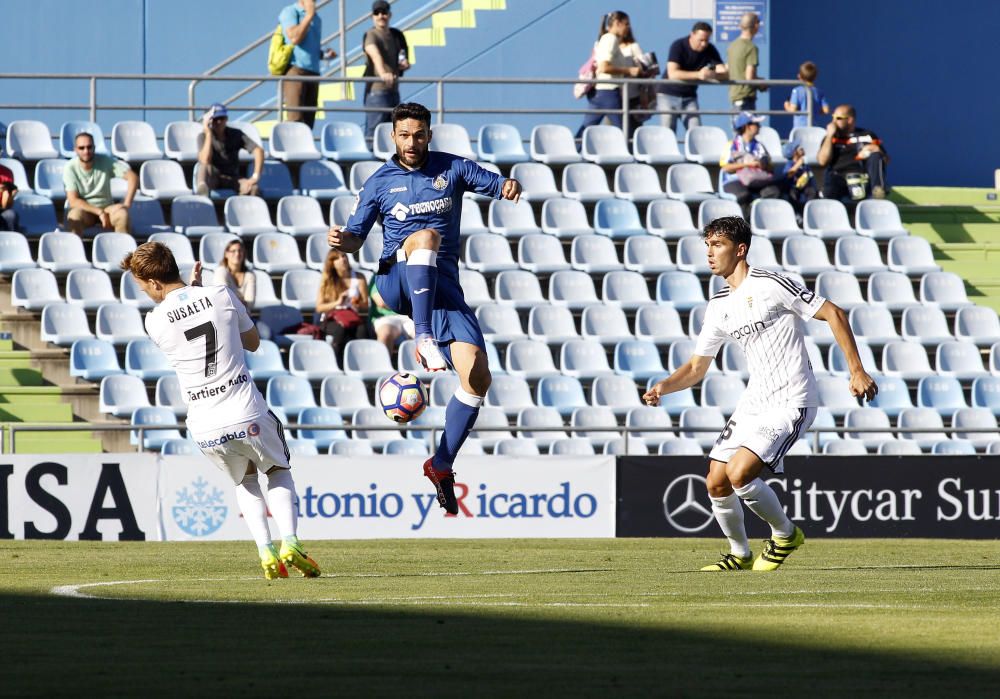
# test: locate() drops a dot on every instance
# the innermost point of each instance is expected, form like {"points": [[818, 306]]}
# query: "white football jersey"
{"points": [[198, 328], [762, 315]]}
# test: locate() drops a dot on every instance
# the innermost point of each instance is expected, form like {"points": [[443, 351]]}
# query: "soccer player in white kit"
{"points": [[759, 310], [203, 332]]}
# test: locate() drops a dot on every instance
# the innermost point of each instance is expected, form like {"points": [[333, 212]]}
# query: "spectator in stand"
{"points": [[304, 30], [87, 180], [388, 325], [233, 273], [610, 63], [691, 58], [342, 302], [797, 179], [797, 101], [742, 58], [385, 58], [8, 190], [219, 156], [854, 159], [746, 166], [640, 96]]}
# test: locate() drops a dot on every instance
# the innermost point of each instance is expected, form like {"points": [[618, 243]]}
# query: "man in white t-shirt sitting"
{"points": [[203, 332], [761, 312]]}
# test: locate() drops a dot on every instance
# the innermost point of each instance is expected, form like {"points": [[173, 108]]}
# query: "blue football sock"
{"points": [[459, 417], [421, 276]]}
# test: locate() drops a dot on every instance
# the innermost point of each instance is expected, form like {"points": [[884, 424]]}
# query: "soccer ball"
{"points": [[402, 397]]}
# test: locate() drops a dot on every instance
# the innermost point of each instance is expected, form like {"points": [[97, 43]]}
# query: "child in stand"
{"points": [[797, 101], [797, 180]]}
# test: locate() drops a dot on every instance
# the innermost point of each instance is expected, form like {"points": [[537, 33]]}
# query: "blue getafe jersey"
{"points": [[411, 200]]}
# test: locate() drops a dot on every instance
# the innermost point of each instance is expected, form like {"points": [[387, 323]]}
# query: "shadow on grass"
{"points": [[60, 646]]}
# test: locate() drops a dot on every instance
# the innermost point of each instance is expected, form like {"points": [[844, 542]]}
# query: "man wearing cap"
{"points": [[304, 30], [385, 58], [692, 58], [8, 190], [746, 164], [219, 155], [87, 181]]}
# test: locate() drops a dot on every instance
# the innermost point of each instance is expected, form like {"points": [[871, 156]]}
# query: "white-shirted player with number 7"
{"points": [[203, 332], [761, 311]]}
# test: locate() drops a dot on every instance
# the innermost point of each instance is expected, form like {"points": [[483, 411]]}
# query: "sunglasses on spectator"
{"points": [[85, 147], [841, 118], [381, 12]]}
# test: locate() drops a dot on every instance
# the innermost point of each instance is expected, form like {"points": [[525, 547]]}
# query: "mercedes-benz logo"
{"points": [[681, 506]]}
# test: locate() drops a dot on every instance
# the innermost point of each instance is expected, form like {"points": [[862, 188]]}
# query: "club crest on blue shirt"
{"points": [[440, 182]]}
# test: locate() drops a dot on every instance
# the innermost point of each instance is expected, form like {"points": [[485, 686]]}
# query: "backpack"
{"points": [[586, 74], [279, 54]]}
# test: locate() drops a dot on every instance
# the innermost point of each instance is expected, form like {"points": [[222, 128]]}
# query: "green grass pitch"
{"points": [[500, 618]]}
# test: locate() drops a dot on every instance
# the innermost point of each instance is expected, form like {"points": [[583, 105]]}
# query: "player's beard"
{"points": [[414, 160]]}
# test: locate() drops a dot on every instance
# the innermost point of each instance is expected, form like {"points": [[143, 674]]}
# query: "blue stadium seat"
{"points": [[705, 144], [553, 144], [565, 218], [541, 418], [959, 359], [292, 142], [322, 437], [879, 219], [892, 290], [500, 324], [265, 363], [551, 324], [564, 393], [299, 289], [194, 216], [893, 396], [617, 219], [977, 324], [943, 393], [292, 394], [953, 447], [367, 359], [35, 213], [92, 360], [276, 253], [826, 219], [179, 447], [639, 360], [63, 324], [322, 179], [598, 417], [274, 319], [69, 130], [344, 141], [594, 254], [488, 254], [120, 395], [49, 178], [571, 447], [647, 254], [584, 359], [656, 145], [154, 439], [541, 254], [146, 217], [511, 219], [119, 324], [16, 168], [911, 255], [163, 180], [529, 359], [180, 140], [500, 144], [275, 180], [920, 418], [134, 142], [625, 289], [312, 359], [681, 289], [509, 393], [605, 145], [29, 140], [167, 394], [538, 183], [14, 252], [986, 393], [247, 216], [572, 289], [360, 172], [145, 360], [605, 324]]}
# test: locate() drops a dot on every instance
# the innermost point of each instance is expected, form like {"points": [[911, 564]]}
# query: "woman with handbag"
{"points": [[746, 166], [640, 96], [610, 62], [233, 273], [342, 302]]}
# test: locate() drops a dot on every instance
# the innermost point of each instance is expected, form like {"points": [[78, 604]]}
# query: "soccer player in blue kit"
{"points": [[418, 195]]}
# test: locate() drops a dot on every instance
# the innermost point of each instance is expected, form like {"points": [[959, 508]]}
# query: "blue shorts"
{"points": [[451, 318]]}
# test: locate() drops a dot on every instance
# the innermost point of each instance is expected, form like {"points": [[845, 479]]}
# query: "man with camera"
{"points": [[691, 58], [219, 155], [854, 158]]}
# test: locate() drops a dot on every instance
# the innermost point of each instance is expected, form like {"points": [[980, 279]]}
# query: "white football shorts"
{"points": [[260, 442], [769, 435]]}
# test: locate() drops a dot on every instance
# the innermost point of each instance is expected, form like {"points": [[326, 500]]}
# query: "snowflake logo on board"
{"points": [[200, 509]]}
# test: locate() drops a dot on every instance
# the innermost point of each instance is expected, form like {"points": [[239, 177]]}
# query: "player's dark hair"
{"points": [[808, 72], [152, 262], [733, 227], [701, 27], [410, 110]]}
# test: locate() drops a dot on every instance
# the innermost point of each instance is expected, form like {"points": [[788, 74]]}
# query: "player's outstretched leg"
{"points": [[254, 509], [777, 549], [728, 511], [785, 536], [281, 497], [421, 277]]}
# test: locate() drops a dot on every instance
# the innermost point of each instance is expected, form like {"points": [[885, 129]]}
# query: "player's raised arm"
{"points": [[692, 372], [861, 383], [341, 239]]}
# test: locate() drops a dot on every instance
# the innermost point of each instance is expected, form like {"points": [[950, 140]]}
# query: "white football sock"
{"points": [[763, 502], [254, 509], [728, 513], [281, 498]]}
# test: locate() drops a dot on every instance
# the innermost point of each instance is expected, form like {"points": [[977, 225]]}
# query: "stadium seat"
{"points": [[605, 324], [134, 142], [674, 403], [911, 255], [371, 251], [899, 447], [274, 319], [709, 420], [541, 254], [571, 447], [33, 289], [943, 393], [120, 395], [442, 388], [711, 209], [920, 418], [691, 256], [69, 130], [299, 288], [500, 144], [605, 145], [301, 447], [583, 359], [14, 252], [383, 146], [454, 139], [681, 289], [162, 179], [344, 141], [981, 420], [89, 288], [585, 182], [179, 447], [810, 138], [511, 219], [489, 254], [689, 183], [594, 423], [594, 254], [92, 360], [625, 289], [179, 245], [639, 360], [36, 214], [773, 218], [471, 222], [167, 394], [893, 396], [292, 142], [119, 324], [946, 290], [194, 216], [994, 358], [16, 168], [265, 362], [321, 179], [488, 418], [551, 324], [959, 359], [63, 324], [844, 447], [658, 323], [826, 219], [151, 416], [637, 182], [180, 140], [530, 359], [722, 391], [535, 418], [762, 256], [29, 140], [275, 180], [734, 361], [906, 360], [145, 360], [538, 183], [804, 254], [978, 325], [250, 131], [841, 288], [891, 290], [500, 324], [647, 254], [873, 325], [509, 393], [837, 363], [573, 289], [656, 145], [858, 255], [953, 447], [323, 437], [696, 318], [276, 253], [474, 287], [351, 448], [146, 217], [247, 216], [705, 145], [49, 178], [669, 219], [925, 325], [312, 359], [360, 172], [367, 359], [407, 362], [553, 144], [348, 393], [655, 423], [680, 352], [300, 216], [516, 447], [372, 417], [771, 140], [292, 394], [868, 418], [835, 394], [879, 219], [340, 209], [564, 393], [617, 219], [212, 248], [986, 393], [801, 447], [680, 447]]}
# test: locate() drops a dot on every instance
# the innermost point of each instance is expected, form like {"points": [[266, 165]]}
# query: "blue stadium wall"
{"points": [[930, 108]]}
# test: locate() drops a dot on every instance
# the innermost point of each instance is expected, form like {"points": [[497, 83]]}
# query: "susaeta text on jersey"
{"points": [[190, 309], [209, 391]]}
